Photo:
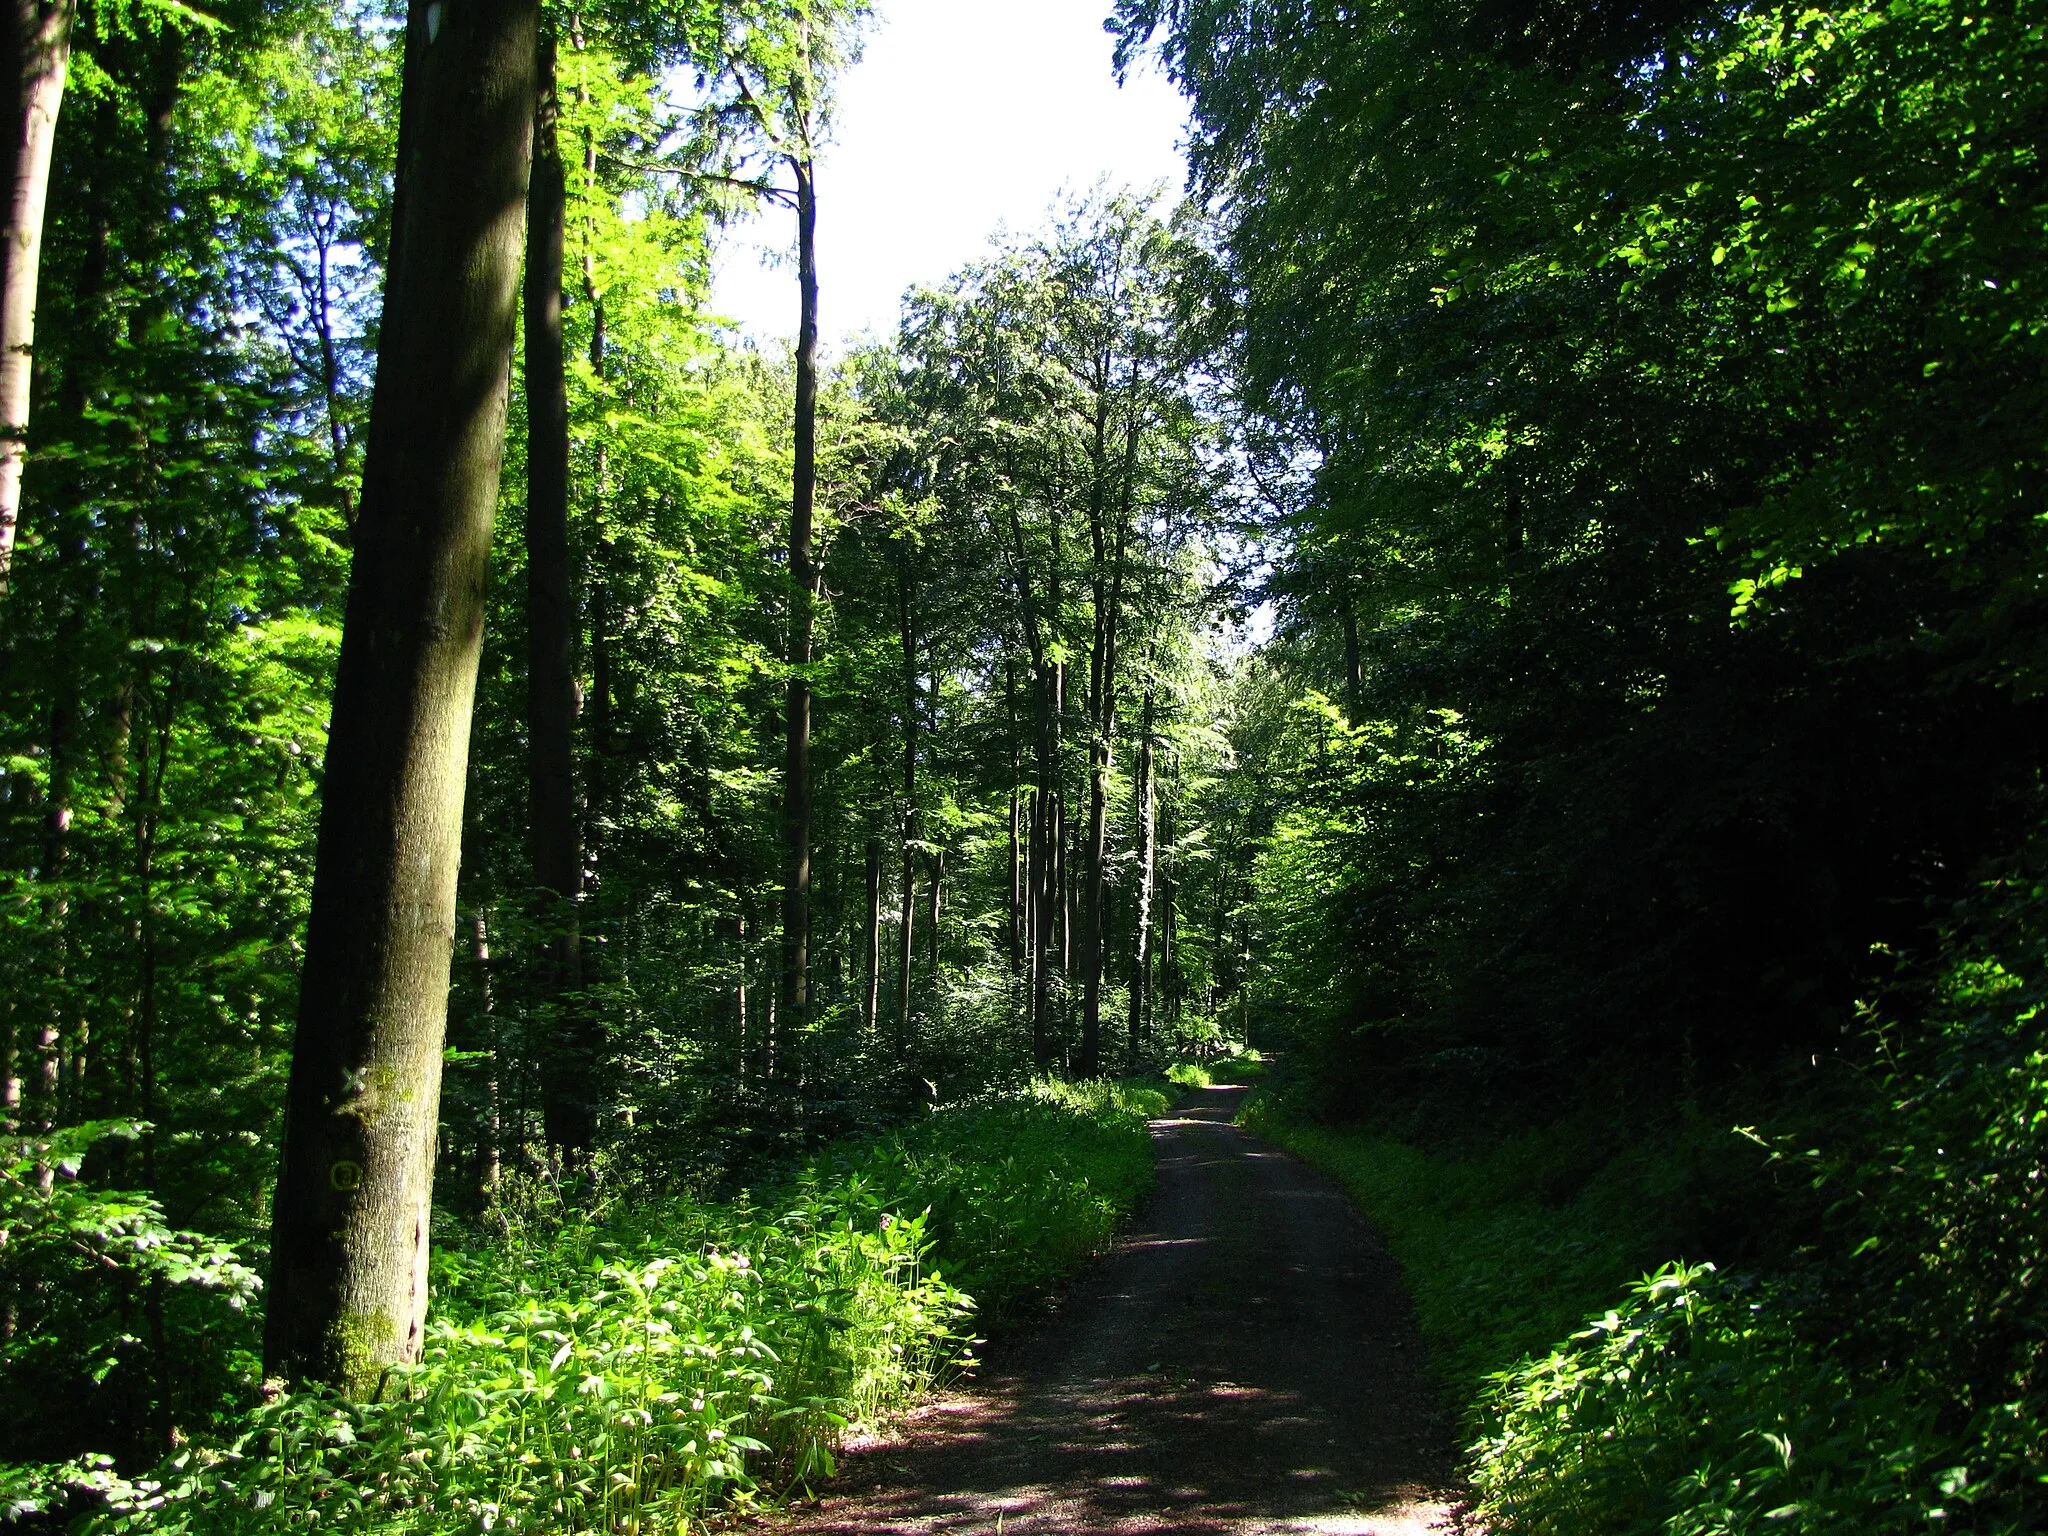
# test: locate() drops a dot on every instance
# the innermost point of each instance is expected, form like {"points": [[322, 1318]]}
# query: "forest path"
{"points": [[1244, 1361]]}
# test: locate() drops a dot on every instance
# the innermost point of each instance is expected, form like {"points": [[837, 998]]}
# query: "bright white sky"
{"points": [[962, 115]]}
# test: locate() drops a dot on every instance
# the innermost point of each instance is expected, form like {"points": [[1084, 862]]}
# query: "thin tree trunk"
{"points": [[569, 1066], [1141, 958], [1035, 928], [35, 62], [739, 996], [907, 936], [906, 939], [803, 581], [934, 904], [1169, 916], [1016, 873], [1016, 932], [10, 1076], [1354, 678], [871, 998], [347, 1295], [1063, 884], [492, 1160]]}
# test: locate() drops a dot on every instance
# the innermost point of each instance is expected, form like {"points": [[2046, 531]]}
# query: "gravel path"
{"points": [[1244, 1361]]}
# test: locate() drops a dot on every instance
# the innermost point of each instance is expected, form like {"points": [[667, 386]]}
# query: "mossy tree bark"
{"points": [[349, 1247]]}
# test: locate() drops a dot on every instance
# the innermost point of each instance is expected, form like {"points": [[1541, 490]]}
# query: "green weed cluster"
{"points": [[646, 1369], [1019, 1188]]}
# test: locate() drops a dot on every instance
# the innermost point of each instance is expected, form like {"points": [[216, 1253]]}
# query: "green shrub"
{"points": [[1020, 1188], [650, 1369], [105, 1304], [1694, 1409]]}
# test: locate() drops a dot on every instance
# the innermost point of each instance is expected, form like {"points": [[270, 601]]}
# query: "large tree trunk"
{"points": [[35, 62], [348, 1288], [803, 582], [569, 1067]]}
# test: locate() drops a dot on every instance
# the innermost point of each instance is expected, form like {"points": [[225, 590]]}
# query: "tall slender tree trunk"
{"points": [[1354, 677], [568, 1065], [35, 62], [1016, 872], [803, 583], [1092, 913], [934, 905], [1168, 913], [348, 1292], [907, 934], [1063, 886], [1045, 841], [490, 1163], [871, 998], [1037, 925], [906, 619], [10, 1076], [1016, 928], [1141, 947], [739, 996]]}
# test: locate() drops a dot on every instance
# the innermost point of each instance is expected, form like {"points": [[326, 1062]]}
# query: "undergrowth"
{"points": [[1869, 1355], [646, 1367]]}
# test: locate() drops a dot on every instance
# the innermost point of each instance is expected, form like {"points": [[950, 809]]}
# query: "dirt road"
{"points": [[1244, 1361]]}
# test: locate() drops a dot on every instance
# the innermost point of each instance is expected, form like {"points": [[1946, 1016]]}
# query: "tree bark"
{"points": [[907, 633], [934, 904], [803, 582], [871, 998], [1354, 677], [492, 1152], [1016, 873], [1016, 930], [348, 1290], [1108, 606], [569, 1066], [907, 934], [1141, 957], [35, 62]]}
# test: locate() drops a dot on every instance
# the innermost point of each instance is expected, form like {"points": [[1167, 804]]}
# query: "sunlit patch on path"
{"points": [[1244, 1362]]}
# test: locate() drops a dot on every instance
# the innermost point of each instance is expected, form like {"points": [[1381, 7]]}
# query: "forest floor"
{"points": [[1244, 1361]]}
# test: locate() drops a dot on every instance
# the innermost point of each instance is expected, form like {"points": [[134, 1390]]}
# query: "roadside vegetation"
{"points": [[597, 1361]]}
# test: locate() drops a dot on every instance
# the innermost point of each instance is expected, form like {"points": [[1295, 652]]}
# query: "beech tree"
{"points": [[768, 77], [349, 1246], [35, 62]]}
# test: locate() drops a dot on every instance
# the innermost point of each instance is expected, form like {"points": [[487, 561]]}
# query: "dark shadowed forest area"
{"points": [[587, 907]]}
